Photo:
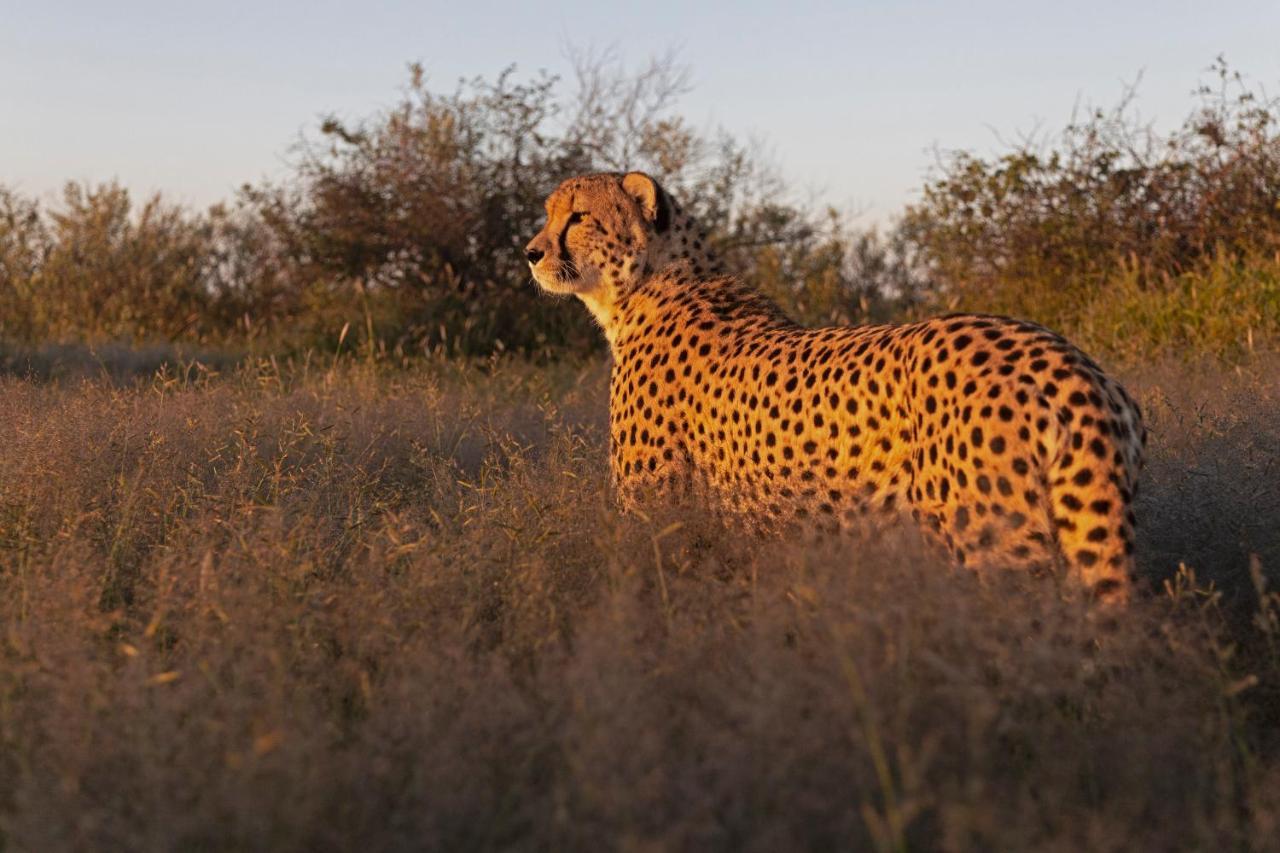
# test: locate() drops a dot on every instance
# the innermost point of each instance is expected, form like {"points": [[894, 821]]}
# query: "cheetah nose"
{"points": [[534, 255]]}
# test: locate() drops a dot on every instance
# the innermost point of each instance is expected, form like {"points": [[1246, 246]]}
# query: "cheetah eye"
{"points": [[576, 217]]}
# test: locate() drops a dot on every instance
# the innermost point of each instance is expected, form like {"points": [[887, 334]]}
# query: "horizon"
{"points": [[194, 104]]}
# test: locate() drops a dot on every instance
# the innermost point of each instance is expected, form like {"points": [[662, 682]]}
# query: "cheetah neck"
{"points": [[603, 305], [688, 249], [686, 256], [673, 296]]}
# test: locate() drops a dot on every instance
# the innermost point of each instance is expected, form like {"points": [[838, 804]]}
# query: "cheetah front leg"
{"points": [[643, 478]]}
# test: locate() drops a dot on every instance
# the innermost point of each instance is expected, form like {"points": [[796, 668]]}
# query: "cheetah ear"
{"points": [[651, 198]]}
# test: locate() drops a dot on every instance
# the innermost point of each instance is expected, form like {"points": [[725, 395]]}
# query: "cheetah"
{"points": [[1006, 443]]}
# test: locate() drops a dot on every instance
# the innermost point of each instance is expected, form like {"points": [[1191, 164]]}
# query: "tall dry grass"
{"points": [[331, 608]]}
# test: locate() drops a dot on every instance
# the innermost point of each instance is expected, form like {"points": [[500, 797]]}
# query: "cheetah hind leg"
{"points": [[1049, 529], [1093, 519], [994, 539]]}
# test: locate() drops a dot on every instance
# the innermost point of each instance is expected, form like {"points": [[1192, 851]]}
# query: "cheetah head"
{"points": [[604, 234]]}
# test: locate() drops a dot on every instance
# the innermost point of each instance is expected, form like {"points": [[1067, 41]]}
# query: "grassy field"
{"points": [[325, 607]]}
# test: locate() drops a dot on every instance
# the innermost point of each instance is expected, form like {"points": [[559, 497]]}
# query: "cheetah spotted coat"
{"points": [[1004, 440]]}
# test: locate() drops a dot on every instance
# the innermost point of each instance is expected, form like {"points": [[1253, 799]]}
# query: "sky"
{"points": [[851, 100]]}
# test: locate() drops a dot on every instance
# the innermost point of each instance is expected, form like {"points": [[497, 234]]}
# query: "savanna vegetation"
{"points": [[404, 230], [355, 606], [306, 541]]}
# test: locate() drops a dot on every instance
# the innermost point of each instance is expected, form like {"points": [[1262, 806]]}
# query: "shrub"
{"points": [[96, 269], [407, 227], [1227, 306], [402, 231], [1043, 229]]}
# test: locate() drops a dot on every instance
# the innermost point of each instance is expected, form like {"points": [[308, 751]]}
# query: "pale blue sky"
{"points": [[196, 98]]}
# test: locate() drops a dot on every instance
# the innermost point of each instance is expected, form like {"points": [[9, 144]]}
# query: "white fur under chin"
{"points": [[602, 307], [596, 297]]}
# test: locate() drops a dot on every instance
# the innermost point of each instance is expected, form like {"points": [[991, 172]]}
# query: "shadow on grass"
{"points": [[118, 364], [1210, 495]]}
